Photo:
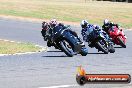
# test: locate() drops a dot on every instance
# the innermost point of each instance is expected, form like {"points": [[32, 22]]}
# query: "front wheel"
{"points": [[66, 47], [84, 51], [111, 48], [121, 42], [102, 46]]}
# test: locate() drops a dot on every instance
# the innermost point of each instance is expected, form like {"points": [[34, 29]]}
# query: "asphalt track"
{"points": [[53, 68]]}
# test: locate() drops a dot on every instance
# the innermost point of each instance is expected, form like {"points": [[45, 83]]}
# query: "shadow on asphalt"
{"points": [[54, 56], [118, 47], [54, 51], [96, 53]]}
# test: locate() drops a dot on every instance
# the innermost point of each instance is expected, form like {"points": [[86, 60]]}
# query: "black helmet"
{"points": [[45, 25]]}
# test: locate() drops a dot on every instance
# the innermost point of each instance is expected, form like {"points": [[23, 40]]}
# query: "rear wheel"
{"points": [[66, 48], [121, 42], [102, 46]]}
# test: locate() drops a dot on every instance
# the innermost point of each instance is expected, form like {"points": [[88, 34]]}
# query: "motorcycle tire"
{"points": [[84, 51], [49, 44], [99, 46], [111, 49], [121, 42], [65, 49]]}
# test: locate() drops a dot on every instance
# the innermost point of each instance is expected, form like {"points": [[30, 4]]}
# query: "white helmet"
{"points": [[53, 22], [106, 21], [84, 23], [96, 26]]}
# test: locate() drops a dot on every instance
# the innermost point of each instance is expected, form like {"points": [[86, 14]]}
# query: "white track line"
{"points": [[60, 86], [123, 87]]}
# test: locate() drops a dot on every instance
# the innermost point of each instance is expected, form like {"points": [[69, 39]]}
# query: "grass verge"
{"points": [[7, 47], [70, 10]]}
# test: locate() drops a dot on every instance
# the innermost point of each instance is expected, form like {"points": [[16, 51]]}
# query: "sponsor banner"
{"points": [[83, 78]]}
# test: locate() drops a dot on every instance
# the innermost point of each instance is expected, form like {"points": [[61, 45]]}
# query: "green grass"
{"points": [[7, 47], [70, 10]]}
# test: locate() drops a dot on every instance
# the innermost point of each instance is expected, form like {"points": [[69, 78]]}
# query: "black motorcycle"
{"points": [[100, 42], [64, 40]]}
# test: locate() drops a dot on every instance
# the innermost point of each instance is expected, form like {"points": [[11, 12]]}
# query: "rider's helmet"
{"points": [[53, 22], [106, 21], [96, 26], [84, 23], [45, 25], [111, 23]]}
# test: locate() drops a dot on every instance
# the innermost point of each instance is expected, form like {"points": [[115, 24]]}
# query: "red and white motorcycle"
{"points": [[118, 36]]}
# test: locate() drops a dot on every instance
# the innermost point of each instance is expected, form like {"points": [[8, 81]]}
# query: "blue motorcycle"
{"points": [[100, 41], [65, 41]]}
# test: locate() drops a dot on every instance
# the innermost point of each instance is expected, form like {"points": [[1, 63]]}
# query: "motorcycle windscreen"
{"points": [[89, 30]]}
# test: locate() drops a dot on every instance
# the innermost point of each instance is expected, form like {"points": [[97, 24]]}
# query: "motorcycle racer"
{"points": [[49, 27], [53, 23], [62, 37], [107, 26], [87, 30], [90, 32], [114, 32]]}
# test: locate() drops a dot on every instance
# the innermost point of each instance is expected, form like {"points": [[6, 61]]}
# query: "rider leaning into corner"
{"points": [[49, 27], [87, 30], [108, 26]]}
